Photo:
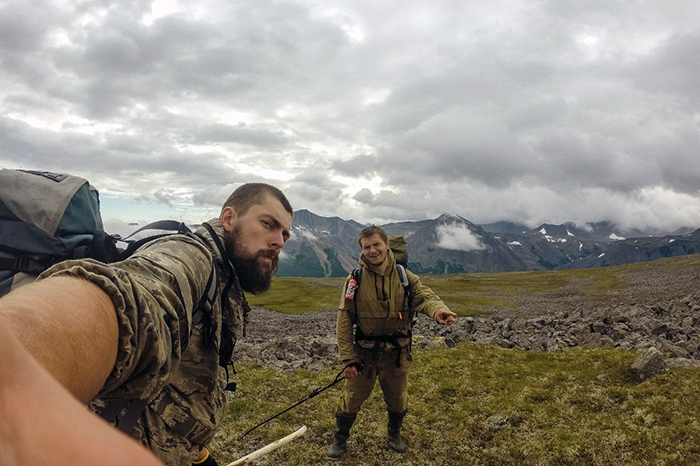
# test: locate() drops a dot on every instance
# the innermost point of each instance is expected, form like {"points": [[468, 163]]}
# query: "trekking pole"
{"points": [[268, 448], [338, 378]]}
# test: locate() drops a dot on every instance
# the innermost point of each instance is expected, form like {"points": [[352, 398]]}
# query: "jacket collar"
{"points": [[374, 269]]}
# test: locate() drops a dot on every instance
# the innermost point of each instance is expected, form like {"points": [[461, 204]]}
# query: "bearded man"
{"points": [[146, 343]]}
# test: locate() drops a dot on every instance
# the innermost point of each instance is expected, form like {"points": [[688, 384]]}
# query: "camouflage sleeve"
{"points": [[154, 293], [344, 326], [424, 299]]}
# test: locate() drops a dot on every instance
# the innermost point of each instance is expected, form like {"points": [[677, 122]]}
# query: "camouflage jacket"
{"points": [[380, 309], [155, 291]]}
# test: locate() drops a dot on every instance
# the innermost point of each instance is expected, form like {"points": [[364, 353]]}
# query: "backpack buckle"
{"points": [[28, 264]]}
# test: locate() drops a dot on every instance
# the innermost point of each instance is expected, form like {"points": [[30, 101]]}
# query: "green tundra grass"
{"points": [[465, 294], [577, 407]]}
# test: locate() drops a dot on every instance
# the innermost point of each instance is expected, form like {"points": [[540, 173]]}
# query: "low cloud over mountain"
{"points": [[457, 237]]}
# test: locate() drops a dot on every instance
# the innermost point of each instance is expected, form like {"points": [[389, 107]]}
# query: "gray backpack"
{"points": [[46, 218]]}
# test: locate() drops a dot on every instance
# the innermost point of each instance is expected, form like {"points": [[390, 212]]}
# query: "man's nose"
{"points": [[277, 240]]}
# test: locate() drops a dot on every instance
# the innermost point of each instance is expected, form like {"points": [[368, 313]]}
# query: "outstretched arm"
{"points": [[69, 326], [45, 368], [426, 301]]}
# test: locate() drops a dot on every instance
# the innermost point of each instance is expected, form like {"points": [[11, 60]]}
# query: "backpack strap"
{"points": [[207, 301], [356, 275], [228, 336], [403, 278], [393, 340], [172, 226], [25, 263], [203, 308]]}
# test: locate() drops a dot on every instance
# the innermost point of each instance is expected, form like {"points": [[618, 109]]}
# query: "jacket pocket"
{"points": [[178, 415]]}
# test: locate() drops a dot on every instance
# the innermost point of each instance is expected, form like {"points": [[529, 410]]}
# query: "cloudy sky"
{"points": [[521, 110]]}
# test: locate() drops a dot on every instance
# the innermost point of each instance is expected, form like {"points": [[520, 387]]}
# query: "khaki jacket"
{"points": [[380, 308], [156, 291]]}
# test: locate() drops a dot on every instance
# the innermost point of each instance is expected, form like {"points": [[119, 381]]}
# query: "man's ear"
{"points": [[228, 218]]}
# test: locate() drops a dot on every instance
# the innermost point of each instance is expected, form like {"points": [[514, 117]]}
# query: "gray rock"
{"points": [[648, 364], [682, 362], [428, 343], [494, 340], [672, 325], [595, 340], [660, 330]]}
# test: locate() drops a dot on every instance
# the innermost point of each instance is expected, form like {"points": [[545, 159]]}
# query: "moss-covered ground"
{"points": [[577, 407]]}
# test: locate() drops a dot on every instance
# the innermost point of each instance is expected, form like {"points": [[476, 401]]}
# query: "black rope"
{"points": [[338, 378]]}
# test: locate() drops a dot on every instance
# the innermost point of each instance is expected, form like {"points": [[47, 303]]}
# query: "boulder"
{"points": [[648, 364]]}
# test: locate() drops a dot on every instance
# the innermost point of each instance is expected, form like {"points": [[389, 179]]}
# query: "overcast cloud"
{"points": [[518, 110]]}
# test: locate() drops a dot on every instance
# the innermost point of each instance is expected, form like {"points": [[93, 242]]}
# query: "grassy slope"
{"points": [[466, 294], [578, 407]]}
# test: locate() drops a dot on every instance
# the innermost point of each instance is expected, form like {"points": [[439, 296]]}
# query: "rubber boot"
{"points": [[343, 423], [394, 431]]}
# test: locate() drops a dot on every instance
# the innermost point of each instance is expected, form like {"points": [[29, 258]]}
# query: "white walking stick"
{"points": [[268, 448]]}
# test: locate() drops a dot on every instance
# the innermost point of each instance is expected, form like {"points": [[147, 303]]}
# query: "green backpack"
{"points": [[399, 246]]}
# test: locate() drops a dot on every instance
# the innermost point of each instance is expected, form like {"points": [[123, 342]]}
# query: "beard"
{"points": [[254, 273]]}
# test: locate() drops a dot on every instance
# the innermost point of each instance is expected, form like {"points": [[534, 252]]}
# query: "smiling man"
{"points": [[380, 311], [146, 342]]}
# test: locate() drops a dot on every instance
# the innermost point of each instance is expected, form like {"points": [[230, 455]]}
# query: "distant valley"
{"points": [[327, 246]]}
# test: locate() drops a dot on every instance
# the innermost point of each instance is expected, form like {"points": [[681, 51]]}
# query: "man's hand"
{"points": [[445, 317], [352, 369]]}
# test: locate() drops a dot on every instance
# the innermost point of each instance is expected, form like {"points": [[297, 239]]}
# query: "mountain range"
{"points": [[327, 246]]}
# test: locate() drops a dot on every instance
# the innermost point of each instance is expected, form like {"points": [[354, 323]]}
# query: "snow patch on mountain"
{"points": [[304, 233]]}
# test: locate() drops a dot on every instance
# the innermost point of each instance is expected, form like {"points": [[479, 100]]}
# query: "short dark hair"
{"points": [[370, 231], [250, 194]]}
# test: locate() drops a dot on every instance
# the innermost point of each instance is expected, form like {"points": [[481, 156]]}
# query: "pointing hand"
{"points": [[446, 317]]}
